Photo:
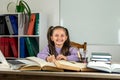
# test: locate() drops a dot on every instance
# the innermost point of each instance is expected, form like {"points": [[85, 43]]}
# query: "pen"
{"points": [[79, 56], [49, 54]]}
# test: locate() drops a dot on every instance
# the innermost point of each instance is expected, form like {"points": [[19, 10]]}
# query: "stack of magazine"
{"points": [[101, 57]]}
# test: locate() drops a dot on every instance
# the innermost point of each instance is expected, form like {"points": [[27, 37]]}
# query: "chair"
{"points": [[80, 46]]}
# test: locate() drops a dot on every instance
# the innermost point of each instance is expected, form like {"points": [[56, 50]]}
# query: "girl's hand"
{"points": [[61, 57], [51, 58]]}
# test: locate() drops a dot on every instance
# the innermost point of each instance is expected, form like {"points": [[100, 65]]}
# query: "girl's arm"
{"points": [[44, 53], [74, 55]]}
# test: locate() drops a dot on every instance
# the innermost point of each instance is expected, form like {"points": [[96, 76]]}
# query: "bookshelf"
{"points": [[21, 35]]}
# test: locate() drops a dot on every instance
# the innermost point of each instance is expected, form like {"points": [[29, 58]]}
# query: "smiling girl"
{"points": [[58, 47]]}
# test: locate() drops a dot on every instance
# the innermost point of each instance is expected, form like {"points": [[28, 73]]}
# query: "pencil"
{"points": [[79, 56], [49, 54]]}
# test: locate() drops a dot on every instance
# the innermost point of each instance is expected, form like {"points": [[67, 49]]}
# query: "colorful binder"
{"points": [[9, 25], [2, 25], [13, 20], [35, 45], [31, 25], [36, 30], [23, 53], [7, 47], [14, 46], [29, 47], [2, 44]]}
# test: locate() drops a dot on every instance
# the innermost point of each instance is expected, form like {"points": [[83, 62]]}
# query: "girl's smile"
{"points": [[59, 37]]}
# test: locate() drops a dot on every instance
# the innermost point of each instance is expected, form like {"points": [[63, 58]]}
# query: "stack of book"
{"points": [[101, 57]]}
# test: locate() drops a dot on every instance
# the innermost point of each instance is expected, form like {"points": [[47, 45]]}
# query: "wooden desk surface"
{"points": [[63, 74]]}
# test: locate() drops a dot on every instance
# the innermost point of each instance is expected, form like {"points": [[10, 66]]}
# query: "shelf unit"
{"points": [[27, 44]]}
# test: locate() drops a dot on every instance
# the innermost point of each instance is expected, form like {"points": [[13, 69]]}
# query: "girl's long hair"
{"points": [[51, 45]]}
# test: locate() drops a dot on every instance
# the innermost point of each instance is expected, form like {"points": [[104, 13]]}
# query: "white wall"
{"points": [[51, 8], [92, 18]]}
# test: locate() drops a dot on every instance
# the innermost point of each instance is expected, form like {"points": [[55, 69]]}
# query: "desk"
{"points": [[41, 75]]}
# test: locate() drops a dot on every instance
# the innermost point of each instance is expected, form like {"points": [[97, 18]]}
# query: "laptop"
{"points": [[3, 62], [8, 63]]}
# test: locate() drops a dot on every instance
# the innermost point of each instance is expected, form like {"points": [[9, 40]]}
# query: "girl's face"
{"points": [[59, 37]]}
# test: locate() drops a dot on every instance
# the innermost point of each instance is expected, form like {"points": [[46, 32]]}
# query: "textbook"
{"points": [[34, 63], [102, 66], [58, 65], [72, 65], [50, 66]]}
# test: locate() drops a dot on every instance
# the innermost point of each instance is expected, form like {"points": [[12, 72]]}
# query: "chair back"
{"points": [[80, 46], [77, 45]]}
